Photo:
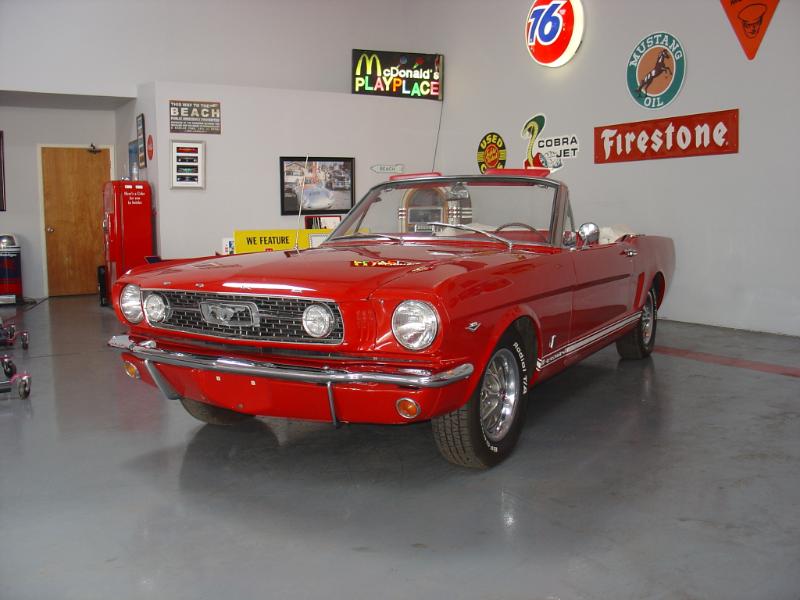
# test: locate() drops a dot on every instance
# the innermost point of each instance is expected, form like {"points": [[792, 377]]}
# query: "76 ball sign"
{"points": [[554, 31]]}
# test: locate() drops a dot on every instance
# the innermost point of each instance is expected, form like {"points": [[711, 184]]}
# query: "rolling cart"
{"points": [[11, 379], [9, 335]]}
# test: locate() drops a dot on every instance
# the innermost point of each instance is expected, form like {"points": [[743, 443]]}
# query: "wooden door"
{"points": [[73, 180]]}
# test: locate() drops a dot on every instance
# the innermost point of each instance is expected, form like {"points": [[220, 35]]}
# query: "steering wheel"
{"points": [[516, 224]]}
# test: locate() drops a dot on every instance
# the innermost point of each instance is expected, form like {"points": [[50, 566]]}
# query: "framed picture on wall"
{"points": [[188, 164], [140, 151], [317, 185], [2, 176]]}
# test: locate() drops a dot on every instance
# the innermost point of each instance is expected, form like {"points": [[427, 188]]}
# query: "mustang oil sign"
{"points": [[400, 74], [656, 70], [690, 135]]}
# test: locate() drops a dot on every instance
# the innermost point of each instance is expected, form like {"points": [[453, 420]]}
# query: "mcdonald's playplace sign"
{"points": [[400, 74]]}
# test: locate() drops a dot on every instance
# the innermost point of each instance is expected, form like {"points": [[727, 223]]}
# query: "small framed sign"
{"points": [[140, 148], [193, 116], [188, 164]]}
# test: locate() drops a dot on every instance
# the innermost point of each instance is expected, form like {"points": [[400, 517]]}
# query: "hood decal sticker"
{"points": [[389, 262]]}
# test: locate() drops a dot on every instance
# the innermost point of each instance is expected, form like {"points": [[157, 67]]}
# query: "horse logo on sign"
{"points": [[656, 70]]}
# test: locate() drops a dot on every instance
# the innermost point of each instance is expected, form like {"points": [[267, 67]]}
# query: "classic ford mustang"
{"points": [[437, 297]]}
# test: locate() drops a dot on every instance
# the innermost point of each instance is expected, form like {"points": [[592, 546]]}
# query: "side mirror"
{"points": [[569, 239], [589, 234]]}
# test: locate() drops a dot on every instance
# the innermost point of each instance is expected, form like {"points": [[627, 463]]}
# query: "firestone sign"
{"points": [[399, 74], [675, 137]]}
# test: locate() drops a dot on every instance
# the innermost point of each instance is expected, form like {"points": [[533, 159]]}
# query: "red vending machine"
{"points": [[128, 229]]}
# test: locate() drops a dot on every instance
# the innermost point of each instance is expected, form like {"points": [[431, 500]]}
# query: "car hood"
{"points": [[335, 272]]}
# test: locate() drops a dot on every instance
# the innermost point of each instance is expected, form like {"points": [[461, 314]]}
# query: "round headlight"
{"points": [[318, 320], [130, 303], [155, 307], [415, 324]]}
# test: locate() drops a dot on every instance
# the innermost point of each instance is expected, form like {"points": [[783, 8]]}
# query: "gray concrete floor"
{"points": [[663, 478]]}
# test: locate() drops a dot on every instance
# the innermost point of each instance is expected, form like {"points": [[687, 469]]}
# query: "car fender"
{"points": [[500, 324]]}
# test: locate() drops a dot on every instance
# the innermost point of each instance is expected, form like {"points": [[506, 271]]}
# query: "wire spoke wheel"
{"points": [[647, 320], [499, 395]]}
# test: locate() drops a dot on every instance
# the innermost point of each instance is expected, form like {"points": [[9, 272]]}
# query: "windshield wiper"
{"points": [[503, 240], [367, 236]]}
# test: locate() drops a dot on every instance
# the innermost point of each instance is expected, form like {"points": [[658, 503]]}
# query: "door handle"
{"points": [[629, 252], [50, 230]]}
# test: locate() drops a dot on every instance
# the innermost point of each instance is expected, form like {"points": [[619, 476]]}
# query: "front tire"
{"points": [[485, 430], [640, 341], [213, 415]]}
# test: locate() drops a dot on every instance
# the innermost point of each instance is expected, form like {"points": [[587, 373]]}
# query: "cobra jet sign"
{"points": [[399, 74]]}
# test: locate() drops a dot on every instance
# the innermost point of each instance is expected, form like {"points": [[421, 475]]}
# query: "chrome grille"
{"points": [[280, 318]]}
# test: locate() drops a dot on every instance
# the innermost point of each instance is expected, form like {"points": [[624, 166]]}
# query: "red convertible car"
{"points": [[437, 298]]}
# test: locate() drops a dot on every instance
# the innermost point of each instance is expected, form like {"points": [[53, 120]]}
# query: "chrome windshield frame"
{"points": [[555, 217]]}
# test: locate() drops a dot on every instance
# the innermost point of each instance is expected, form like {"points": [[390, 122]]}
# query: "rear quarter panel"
{"points": [[656, 255]]}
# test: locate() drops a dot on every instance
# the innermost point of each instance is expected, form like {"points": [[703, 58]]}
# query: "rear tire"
{"points": [[639, 342], [485, 430], [213, 415]]}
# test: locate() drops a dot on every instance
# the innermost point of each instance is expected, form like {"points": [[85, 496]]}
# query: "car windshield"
{"points": [[503, 210]]}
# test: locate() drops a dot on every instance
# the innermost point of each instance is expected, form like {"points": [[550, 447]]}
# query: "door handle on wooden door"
{"points": [[50, 230]]}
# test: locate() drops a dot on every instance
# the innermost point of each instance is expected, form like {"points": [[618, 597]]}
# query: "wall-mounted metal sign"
{"points": [[554, 31], [674, 137], [547, 152], [192, 116], [750, 21], [492, 152], [656, 70], [399, 74]]}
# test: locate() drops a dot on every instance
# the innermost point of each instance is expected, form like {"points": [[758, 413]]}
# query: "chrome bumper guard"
{"points": [[417, 378]]}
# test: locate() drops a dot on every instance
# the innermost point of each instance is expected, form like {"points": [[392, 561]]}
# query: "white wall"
{"points": [[733, 218], [108, 47], [259, 125], [24, 129]]}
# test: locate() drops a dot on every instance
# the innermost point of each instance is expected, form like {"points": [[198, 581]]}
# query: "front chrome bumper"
{"points": [[150, 353]]}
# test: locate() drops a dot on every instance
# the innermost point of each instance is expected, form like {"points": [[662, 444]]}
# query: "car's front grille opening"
{"points": [[280, 318]]}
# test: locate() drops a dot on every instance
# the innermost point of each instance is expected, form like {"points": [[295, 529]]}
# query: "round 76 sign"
{"points": [[554, 30]]}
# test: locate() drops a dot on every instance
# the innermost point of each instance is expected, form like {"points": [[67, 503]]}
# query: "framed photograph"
{"points": [[317, 185], [140, 148], [188, 164], [2, 175]]}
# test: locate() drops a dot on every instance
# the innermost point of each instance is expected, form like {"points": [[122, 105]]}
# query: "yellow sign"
{"points": [[274, 239]]}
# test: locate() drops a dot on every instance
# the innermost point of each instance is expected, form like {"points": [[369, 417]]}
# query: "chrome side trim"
{"points": [[416, 378], [587, 340]]}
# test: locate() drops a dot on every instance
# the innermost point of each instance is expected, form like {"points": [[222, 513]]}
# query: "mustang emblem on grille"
{"points": [[230, 314]]}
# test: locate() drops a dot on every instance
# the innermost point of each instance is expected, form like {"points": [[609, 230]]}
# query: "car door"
{"points": [[603, 293]]}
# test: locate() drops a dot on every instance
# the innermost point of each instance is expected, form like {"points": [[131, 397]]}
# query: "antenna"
{"points": [[300, 207]]}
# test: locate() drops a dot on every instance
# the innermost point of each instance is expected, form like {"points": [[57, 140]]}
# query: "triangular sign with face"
{"points": [[750, 19]]}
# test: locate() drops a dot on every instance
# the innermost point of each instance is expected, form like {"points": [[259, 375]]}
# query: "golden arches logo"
{"points": [[369, 59]]}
